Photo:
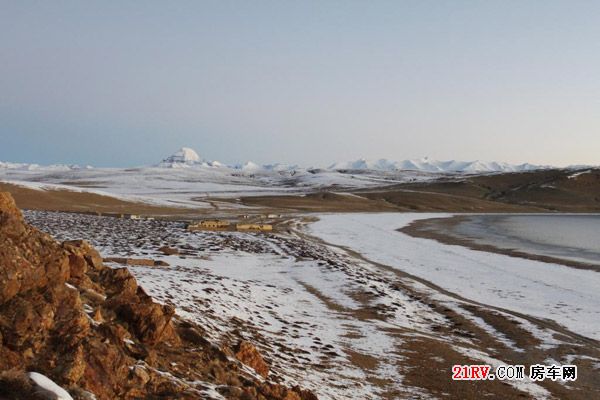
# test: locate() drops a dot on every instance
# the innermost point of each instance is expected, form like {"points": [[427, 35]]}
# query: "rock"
{"points": [[97, 317], [58, 272], [29, 261], [8, 207], [74, 367], [140, 374], [192, 335], [305, 394], [118, 283], [150, 322], [78, 266], [249, 355], [83, 248], [275, 391], [168, 251]]}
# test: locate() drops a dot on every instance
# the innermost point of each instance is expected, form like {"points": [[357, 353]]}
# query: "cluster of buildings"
{"points": [[211, 224], [217, 224]]}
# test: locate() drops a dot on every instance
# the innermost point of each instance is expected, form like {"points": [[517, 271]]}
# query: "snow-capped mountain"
{"points": [[427, 165], [187, 157]]}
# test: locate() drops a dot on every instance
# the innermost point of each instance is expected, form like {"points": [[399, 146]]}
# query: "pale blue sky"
{"points": [[309, 82]]}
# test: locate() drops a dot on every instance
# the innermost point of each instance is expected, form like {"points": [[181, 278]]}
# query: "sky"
{"points": [[123, 83]]}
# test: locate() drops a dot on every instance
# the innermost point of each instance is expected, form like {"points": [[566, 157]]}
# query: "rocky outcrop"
{"points": [[249, 355], [93, 330]]}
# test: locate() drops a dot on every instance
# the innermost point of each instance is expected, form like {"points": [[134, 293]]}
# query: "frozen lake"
{"points": [[569, 236]]}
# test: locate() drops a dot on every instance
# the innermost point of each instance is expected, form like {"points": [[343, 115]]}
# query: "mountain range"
{"points": [[189, 158]]}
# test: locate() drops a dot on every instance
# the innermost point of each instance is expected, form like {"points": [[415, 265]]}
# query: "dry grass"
{"points": [[70, 201]]}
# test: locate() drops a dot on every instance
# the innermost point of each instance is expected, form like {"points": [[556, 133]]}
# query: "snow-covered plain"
{"points": [[185, 179], [323, 317], [184, 185], [566, 295]]}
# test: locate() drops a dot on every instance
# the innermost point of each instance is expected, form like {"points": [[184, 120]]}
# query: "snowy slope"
{"points": [[566, 295], [184, 179]]}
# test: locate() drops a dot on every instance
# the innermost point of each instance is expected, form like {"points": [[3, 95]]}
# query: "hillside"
{"points": [[545, 190]]}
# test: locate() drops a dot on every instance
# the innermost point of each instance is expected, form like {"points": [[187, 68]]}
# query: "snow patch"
{"points": [[575, 175], [47, 385]]}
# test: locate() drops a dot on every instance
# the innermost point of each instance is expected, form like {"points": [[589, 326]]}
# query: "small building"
{"points": [[271, 216], [209, 224], [121, 215], [254, 227]]}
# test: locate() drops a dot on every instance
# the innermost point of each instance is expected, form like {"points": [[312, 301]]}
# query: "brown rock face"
{"points": [[92, 329], [8, 205], [150, 322], [249, 355], [28, 262]]}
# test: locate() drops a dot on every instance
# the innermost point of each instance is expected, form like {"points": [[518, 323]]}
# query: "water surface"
{"points": [[574, 237]]}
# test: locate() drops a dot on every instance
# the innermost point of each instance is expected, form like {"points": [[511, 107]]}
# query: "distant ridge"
{"points": [[427, 165], [34, 167], [189, 157]]}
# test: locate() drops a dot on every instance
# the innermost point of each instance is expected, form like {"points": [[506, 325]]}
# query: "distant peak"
{"points": [[185, 155]]}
